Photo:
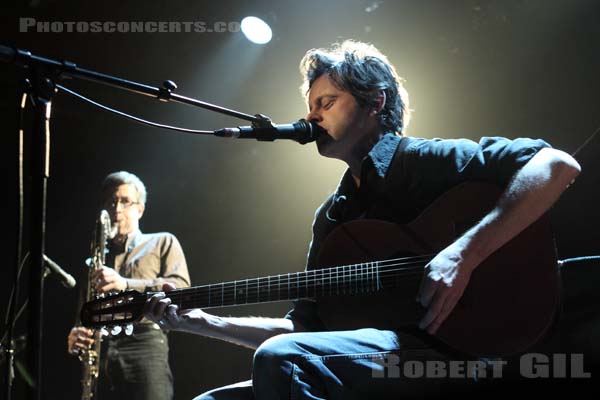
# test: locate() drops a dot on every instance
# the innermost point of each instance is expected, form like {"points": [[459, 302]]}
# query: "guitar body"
{"points": [[508, 305]]}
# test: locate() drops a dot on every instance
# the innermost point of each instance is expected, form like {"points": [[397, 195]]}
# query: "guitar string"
{"points": [[354, 274], [376, 270]]}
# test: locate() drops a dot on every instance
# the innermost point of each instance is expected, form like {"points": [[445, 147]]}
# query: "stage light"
{"points": [[256, 30]]}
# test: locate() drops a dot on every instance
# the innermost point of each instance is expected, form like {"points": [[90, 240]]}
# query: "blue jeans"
{"points": [[364, 363], [136, 367]]}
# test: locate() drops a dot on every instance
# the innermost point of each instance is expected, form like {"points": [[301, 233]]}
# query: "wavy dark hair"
{"points": [[362, 70]]}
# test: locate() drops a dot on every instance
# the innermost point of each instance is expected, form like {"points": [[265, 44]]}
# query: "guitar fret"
{"points": [[361, 278], [249, 289], [266, 290], [306, 282], [278, 287], [365, 278], [371, 277], [317, 283], [257, 289], [347, 281], [356, 280], [353, 280], [229, 294], [298, 286]]}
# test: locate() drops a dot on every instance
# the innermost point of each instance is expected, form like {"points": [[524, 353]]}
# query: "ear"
{"points": [[141, 208], [379, 103]]}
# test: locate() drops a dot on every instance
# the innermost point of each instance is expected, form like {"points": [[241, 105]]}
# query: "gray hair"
{"points": [[116, 179]]}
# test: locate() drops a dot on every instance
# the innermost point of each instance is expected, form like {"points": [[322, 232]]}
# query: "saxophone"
{"points": [[91, 358]]}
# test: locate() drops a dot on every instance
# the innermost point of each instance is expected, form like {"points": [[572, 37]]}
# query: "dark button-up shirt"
{"points": [[401, 176]]}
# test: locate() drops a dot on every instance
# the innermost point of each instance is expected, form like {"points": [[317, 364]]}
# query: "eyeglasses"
{"points": [[125, 203]]}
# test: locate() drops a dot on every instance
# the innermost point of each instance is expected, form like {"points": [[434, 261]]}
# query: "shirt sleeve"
{"points": [[498, 159], [305, 313], [493, 159], [173, 267], [431, 167]]}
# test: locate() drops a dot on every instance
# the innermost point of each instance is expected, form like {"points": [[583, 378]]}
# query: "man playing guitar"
{"points": [[355, 95]]}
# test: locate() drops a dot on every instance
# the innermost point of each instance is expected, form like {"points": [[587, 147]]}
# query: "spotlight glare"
{"points": [[256, 30]]}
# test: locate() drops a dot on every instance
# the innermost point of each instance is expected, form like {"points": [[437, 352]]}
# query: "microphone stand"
{"points": [[43, 75]]}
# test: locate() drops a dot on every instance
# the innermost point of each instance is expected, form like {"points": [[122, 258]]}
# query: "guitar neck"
{"points": [[357, 279]]}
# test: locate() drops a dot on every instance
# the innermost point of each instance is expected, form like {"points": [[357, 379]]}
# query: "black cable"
{"points": [[136, 119], [11, 316], [586, 142], [12, 297]]}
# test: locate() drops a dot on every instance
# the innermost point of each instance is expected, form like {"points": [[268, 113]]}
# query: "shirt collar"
{"points": [[129, 243], [379, 158], [132, 239], [383, 152]]}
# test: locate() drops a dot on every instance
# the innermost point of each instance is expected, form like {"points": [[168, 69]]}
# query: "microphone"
{"points": [[302, 131], [66, 279]]}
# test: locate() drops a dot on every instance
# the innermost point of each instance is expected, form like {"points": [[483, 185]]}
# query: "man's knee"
{"points": [[273, 350], [277, 354]]}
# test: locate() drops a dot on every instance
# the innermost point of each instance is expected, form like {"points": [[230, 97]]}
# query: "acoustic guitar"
{"points": [[371, 274]]}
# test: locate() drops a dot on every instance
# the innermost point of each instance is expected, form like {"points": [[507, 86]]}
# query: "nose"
{"points": [[118, 207], [314, 116]]}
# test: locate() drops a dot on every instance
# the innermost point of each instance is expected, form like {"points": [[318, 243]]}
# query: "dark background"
{"points": [[243, 209]]}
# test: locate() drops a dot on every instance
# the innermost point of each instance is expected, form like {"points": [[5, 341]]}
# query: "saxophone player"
{"points": [[136, 366]]}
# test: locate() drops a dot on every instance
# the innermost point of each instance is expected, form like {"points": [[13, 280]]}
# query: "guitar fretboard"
{"points": [[357, 279], [347, 280]]}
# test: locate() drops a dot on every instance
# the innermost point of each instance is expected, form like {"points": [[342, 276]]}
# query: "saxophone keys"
{"points": [[115, 330], [128, 329]]}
